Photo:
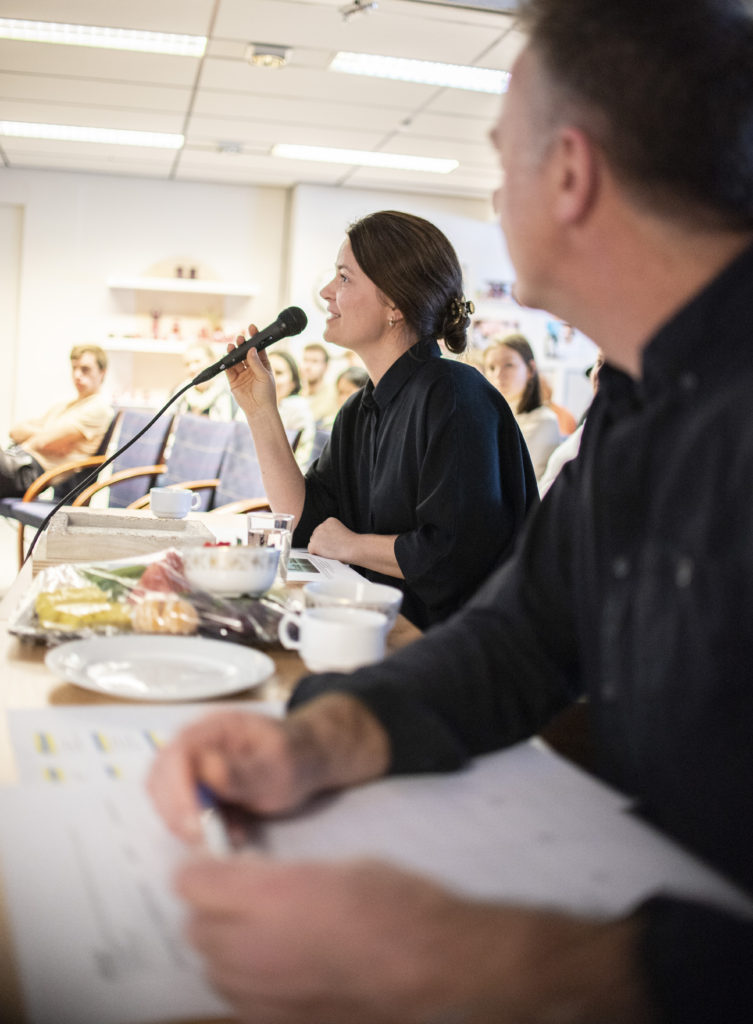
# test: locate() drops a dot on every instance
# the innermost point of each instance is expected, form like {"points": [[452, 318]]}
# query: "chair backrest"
{"points": [[197, 451], [320, 439], [240, 473], [63, 489], [147, 451]]}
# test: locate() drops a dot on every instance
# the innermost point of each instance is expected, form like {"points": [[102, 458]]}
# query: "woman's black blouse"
{"points": [[432, 454]]}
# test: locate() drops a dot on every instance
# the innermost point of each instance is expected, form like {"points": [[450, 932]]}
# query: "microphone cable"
{"points": [[289, 322]]}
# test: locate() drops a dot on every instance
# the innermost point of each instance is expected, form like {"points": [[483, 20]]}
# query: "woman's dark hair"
{"points": [[531, 397], [666, 89], [416, 268], [293, 369]]}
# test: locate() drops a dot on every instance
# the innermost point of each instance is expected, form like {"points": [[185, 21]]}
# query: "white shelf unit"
{"points": [[183, 285], [144, 369]]}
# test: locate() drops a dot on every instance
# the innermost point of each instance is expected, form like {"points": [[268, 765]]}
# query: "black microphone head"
{"points": [[294, 318]]}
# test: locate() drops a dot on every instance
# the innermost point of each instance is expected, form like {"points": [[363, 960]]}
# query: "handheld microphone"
{"points": [[291, 321]]}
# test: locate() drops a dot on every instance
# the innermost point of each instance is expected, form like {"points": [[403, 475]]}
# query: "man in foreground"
{"points": [[626, 145], [69, 430]]}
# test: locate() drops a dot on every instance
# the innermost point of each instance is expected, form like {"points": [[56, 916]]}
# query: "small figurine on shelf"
{"points": [[179, 271], [155, 314]]}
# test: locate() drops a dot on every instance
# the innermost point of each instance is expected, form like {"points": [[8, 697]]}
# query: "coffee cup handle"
{"points": [[195, 500], [283, 630]]}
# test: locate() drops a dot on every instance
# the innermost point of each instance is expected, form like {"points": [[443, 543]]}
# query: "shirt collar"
{"points": [[399, 374], [682, 352]]}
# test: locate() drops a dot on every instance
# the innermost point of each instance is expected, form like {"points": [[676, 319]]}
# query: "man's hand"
{"points": [[265, 765], [308, 943]]}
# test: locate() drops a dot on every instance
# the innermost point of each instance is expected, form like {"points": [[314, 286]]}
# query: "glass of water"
{"points": [[272, 529]]}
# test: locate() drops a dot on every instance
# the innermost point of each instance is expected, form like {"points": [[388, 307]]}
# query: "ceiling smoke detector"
{"points": [[357, 7], [267, 55]]}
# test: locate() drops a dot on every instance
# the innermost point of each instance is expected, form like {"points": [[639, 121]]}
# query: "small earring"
{"points": [[391, 321]]}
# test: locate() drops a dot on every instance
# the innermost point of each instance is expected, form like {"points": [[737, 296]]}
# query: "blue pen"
{"points": [[216, 838]]}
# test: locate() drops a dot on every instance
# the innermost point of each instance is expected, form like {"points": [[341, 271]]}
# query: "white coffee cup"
{"points": [[172, 503], [335, 639]]}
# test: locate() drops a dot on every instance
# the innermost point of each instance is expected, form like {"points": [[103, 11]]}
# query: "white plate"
{"points": [[159, 668]]}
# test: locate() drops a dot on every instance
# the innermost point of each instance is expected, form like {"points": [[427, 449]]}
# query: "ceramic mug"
{"points": [[335, 639], [172, 503]]}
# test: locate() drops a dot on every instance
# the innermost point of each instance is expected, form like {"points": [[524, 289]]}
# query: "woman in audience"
{"points": [[425, 482], [348, 382], [211, 398], [510, 366], [565, 419], [294, 409], [571, 445]]}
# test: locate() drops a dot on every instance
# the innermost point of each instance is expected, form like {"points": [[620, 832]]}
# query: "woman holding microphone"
{"points": [[426, 481]]}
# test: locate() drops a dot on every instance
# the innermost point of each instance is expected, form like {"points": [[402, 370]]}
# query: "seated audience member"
{"points": [[510, 366], [633, 583], [569, 448], [425, 482], [211, 398], [68, 431], [565, 419], [348, 382], [294, 410], [315, 387]]}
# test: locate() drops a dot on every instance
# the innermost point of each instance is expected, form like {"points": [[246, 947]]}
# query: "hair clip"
{"points": [[459, 310]]}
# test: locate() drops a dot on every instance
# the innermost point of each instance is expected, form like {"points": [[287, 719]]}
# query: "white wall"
{"points": [[81, 229], [11, 233], [320, 217]]}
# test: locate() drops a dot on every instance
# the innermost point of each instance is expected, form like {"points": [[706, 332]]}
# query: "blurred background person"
{"points": [[69, 430], [212, 398], [294, 409], [569, 448], [510, 366], [348, 382], [316, 388], [567, 422]]}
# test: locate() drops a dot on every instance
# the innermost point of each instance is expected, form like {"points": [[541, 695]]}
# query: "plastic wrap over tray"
{"points": [[144, 594]]}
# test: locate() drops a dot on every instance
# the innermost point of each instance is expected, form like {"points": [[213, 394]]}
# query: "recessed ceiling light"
{"points": [[267, 55], [397, 161], [76, 133], [107, 38], [423, 72]]}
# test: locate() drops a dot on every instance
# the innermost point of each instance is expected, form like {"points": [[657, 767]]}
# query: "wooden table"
{"points": [[27, 683]]}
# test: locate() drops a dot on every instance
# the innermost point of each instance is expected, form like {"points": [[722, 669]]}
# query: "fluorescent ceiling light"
{"points": [[74, 133], [108, 38], [397, 161], [424, 72]]}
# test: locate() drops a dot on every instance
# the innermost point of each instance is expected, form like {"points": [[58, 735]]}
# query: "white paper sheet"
{"points": [[94, 743], [87, 865], [304, 567], [86, 870]]}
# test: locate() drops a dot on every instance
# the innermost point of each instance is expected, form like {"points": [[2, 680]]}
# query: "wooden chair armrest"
{"points": [[244, 505], [123, 474], [50, 475]]}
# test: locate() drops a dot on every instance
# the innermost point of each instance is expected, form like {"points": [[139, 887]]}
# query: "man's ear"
{"points": [[576, 169]]}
